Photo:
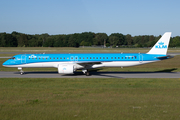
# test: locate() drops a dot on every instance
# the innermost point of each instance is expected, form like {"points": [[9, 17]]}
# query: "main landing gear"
{"points": [[86, 72], [21, 71]]}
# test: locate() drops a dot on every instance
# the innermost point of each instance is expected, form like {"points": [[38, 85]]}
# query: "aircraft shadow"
{"points": [[107, 74], [167, 70]]}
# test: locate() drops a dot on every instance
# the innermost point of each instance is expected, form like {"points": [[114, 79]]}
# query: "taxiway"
{"points": [[93, 75]]}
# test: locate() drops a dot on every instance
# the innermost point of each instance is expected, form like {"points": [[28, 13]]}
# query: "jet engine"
{"points": [[66, 69]]}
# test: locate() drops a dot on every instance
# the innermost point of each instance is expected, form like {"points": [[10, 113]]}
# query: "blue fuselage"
{"points": [[80, 58]]}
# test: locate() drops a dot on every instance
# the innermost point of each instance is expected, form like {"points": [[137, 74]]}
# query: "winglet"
{"points": [[162, 44]]}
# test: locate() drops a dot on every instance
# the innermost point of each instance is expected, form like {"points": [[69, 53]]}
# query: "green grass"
{"points": [[7, 55], [89, 99]]}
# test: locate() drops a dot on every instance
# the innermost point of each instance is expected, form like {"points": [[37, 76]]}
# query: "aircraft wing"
{"points": [[88, 62]]}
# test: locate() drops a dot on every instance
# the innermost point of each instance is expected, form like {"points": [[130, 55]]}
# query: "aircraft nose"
{"points": [[5, 63]]}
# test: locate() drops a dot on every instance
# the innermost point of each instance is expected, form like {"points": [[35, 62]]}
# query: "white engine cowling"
{"points": [[66, 69]]}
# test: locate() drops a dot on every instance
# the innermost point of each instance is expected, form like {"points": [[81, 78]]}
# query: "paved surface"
{"points": [[93, 75]]}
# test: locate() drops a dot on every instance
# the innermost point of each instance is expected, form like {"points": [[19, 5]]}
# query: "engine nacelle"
{"points": [[66, 69]]}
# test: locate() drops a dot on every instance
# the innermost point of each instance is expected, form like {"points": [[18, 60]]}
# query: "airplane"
{"points": [[70, 62]]}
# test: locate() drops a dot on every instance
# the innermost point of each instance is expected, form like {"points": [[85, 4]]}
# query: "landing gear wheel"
{"points": [[87, 74], [21, 73]]}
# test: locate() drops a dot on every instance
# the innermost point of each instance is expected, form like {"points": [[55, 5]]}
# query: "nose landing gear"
{"points": [[21, 71]]}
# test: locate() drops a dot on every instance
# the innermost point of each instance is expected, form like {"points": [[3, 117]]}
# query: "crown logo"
{"points": [[161, 43]]}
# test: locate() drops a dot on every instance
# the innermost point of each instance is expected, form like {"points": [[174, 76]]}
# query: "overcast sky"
{"points": [[135, 17]]}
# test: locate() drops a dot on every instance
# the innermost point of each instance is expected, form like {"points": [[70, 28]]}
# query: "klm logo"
{"points": [[32, 56], [161, 45]]}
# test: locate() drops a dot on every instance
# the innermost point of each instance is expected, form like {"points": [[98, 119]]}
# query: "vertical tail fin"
{"points": [[162, 45]]}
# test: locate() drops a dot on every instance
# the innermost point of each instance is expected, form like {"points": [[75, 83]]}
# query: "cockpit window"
{"points": [[12, 58]]}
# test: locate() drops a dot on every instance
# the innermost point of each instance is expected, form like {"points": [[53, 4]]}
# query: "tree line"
{"points": [[16, 39]]}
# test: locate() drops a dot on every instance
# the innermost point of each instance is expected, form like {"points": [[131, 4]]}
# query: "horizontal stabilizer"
{"points": [[165, 57]]}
